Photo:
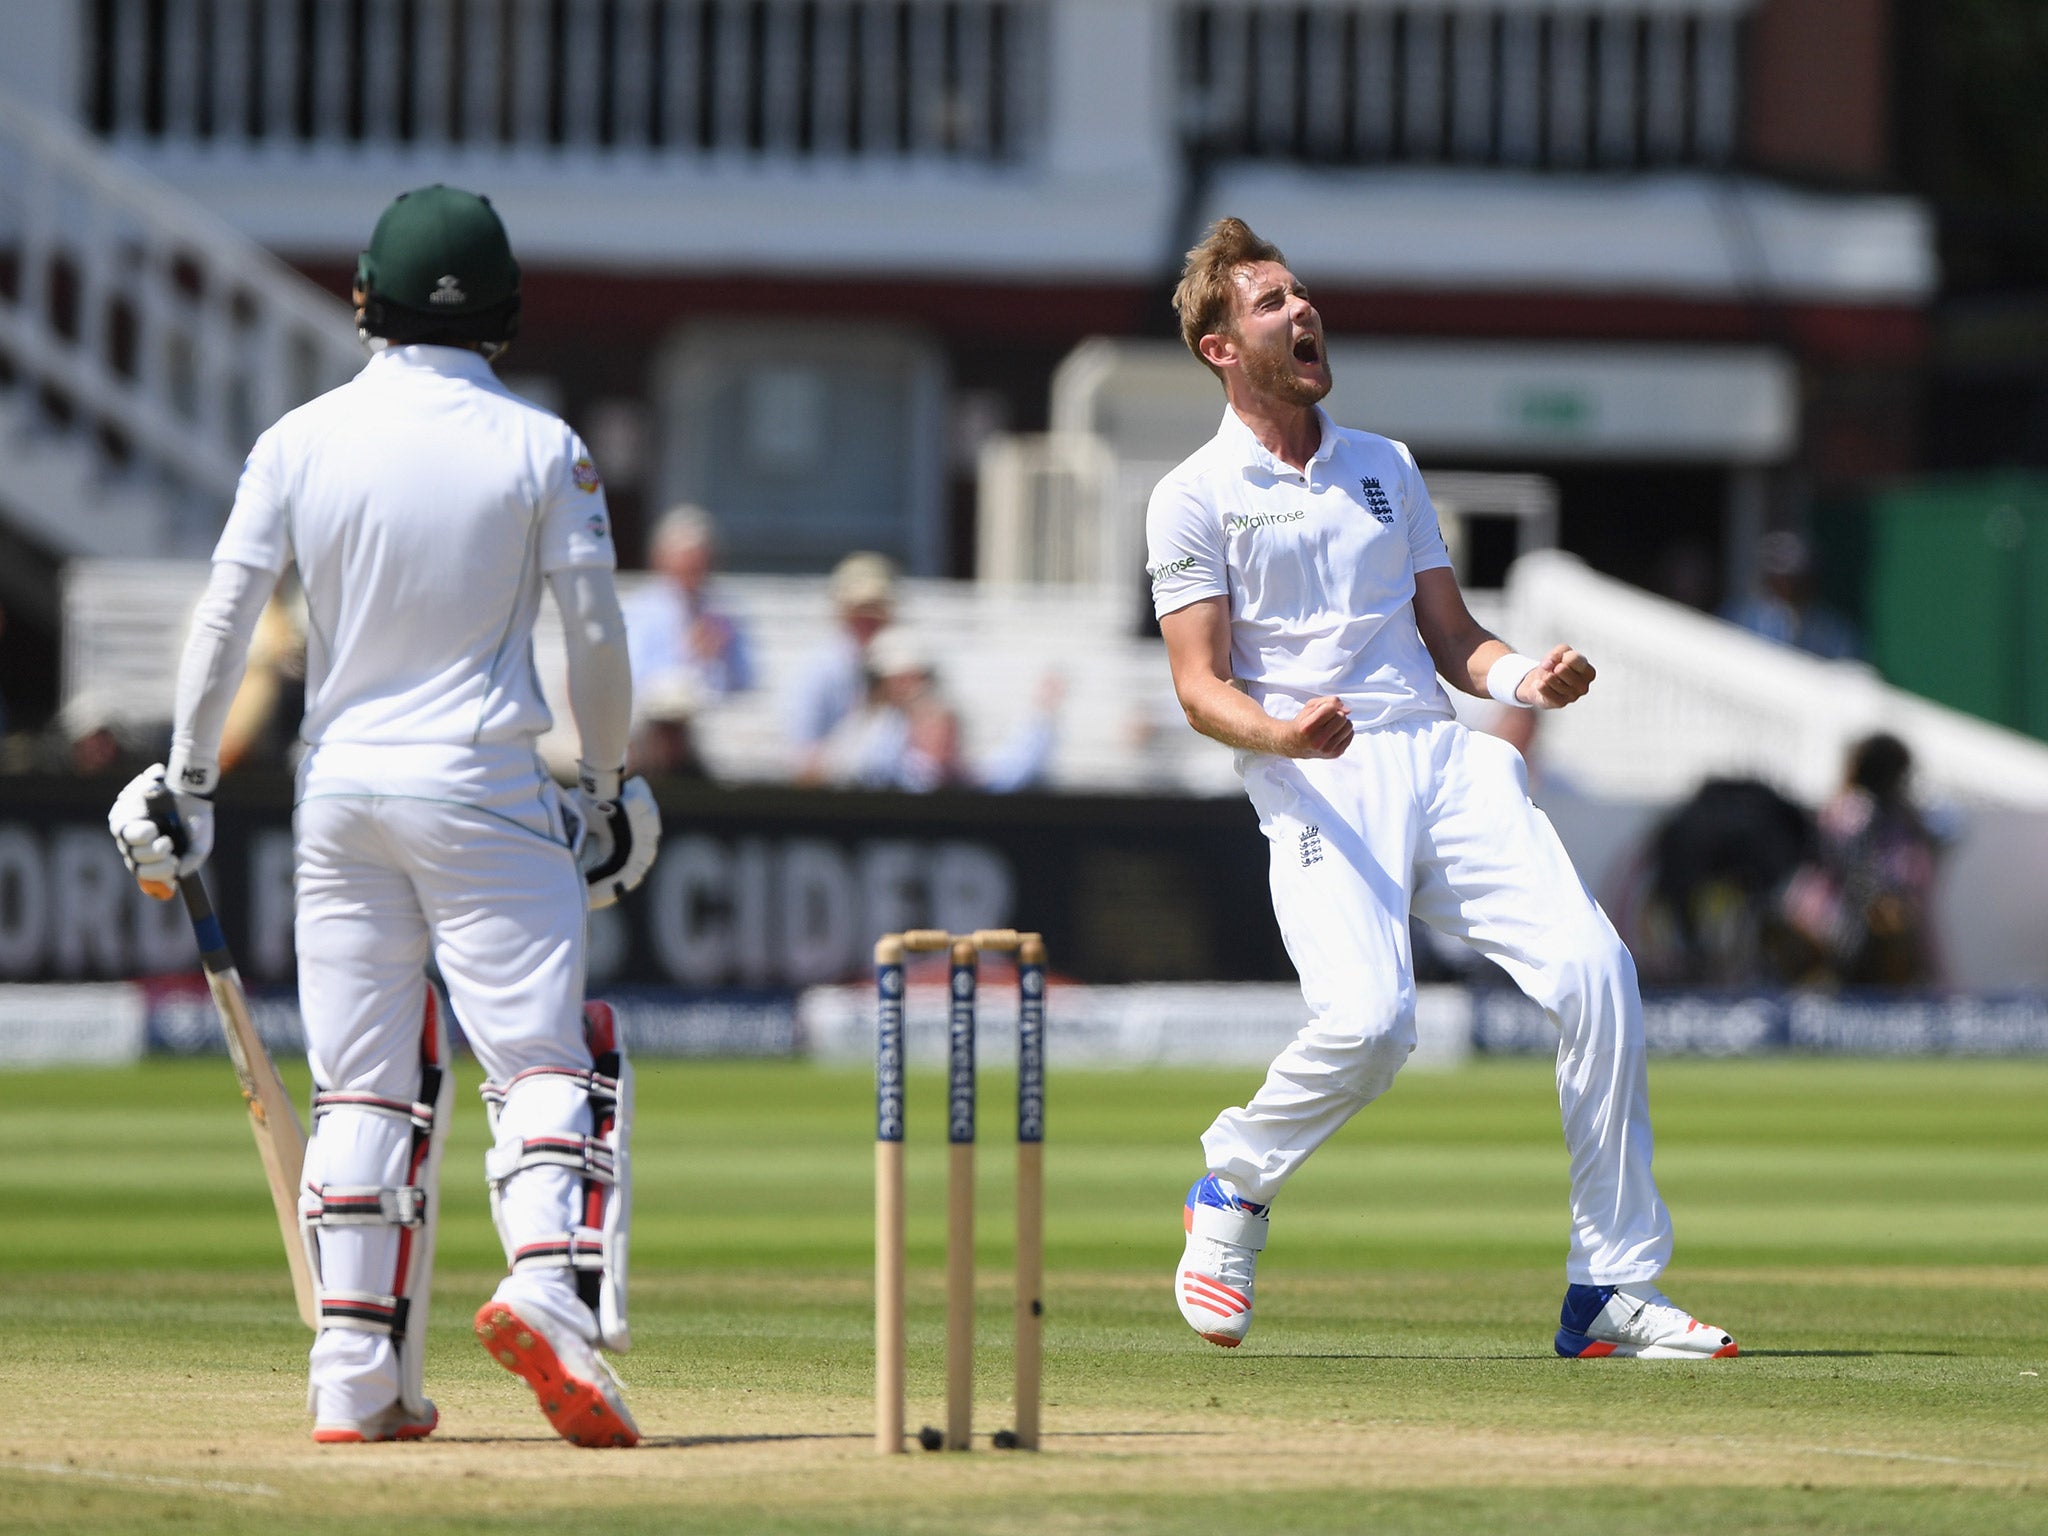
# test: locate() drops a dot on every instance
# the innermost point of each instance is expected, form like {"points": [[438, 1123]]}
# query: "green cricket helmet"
{"points": [[439, 269]]}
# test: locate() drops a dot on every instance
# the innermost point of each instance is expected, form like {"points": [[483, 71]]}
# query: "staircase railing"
{"points": [[147, 334]]}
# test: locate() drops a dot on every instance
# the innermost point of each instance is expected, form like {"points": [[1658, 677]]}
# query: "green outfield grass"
{"points": [[1875, 1233]]}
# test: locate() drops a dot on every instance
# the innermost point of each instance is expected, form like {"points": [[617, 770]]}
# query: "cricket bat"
{"points": [[280, 1138]]}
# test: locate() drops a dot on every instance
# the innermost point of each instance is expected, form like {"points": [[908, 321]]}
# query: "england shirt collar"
{"points": [[1254, 455]]}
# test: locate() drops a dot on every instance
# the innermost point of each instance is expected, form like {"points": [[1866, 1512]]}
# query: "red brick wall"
{"points": [[1819, 88]]}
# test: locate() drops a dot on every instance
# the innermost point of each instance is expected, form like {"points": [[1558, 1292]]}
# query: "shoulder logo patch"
{"points": [[1376, 500], [584, 473], [1167, 568]]}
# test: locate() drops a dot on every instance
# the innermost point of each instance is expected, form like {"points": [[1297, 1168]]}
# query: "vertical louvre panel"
{"points": [[831, 79], [1618, 105], [731, 77], [782, 103], [280, 70], [1521, 88], [1664, 90], [433, 72], [234, 27], [1325, 92], [681, 70], [1639, 83], [531, 77], [384, 71], [583, 73], [1373, 100], [924, 89], [486, 72], [128, 38], [635, 75], [879, 77], [975, 129], [332, 45], [1422, 77], [1715, 90], [1571, 36], [1275, 90], [1472, 75], [179, 81]]}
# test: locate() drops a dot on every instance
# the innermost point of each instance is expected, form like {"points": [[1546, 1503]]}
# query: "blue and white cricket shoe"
{"points": [[1214, 1281], [1634, 1322]]}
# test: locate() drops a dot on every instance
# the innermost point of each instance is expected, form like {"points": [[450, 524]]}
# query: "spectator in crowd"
{"points": [[1866, 903], [1784, 608], [1707, 907], [262, 728], [834, 681], [906, 736], [674, 625], [664, 741]]}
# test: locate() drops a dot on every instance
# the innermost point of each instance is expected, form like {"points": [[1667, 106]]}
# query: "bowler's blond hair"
{"points": [[1205, 295]]}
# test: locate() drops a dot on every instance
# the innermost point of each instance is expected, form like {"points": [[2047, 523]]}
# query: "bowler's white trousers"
{"points": [[1426, 816], [457, 852]]}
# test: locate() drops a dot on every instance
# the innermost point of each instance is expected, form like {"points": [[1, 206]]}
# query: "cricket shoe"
{"points": [[577, 1391], [1214, 1281], [394, 1423], [1634, 1322]]}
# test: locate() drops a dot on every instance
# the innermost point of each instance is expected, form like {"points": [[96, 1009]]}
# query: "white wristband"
{"points": [[599, 783], [1505, 676]]}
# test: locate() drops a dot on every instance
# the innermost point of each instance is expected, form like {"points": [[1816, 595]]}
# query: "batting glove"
{"points": [[621, 830], [156, 853]]}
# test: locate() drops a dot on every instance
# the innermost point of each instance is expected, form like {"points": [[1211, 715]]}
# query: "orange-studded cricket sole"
{"points": [[337, 1435], [576, 1408]]}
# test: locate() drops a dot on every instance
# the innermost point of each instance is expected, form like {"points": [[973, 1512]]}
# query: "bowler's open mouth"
{"points": [[1308, 350]]}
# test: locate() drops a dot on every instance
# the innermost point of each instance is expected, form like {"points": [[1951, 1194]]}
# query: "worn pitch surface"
{"points": [[1875, 1233]]}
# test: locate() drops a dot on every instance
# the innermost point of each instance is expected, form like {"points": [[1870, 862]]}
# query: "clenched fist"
{"points": [[1322, 729], [1557, 680]]}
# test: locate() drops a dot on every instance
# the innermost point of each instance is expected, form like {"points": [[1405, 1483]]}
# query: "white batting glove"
{"points": [[157, 854], [620, 833]]}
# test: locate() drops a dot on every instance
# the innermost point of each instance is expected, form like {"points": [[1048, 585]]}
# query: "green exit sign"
{"points": [[1557, 410]]}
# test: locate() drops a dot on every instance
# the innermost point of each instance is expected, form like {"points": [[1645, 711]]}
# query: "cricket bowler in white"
{"points": [[424, 507], [1308, 607]]}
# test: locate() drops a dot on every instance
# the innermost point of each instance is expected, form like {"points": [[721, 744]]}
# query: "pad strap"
{"points": [[1239, 1227], [363, 1205], [600, 1086], [419, 1115], [578, 1248], [364, 1312], [586, 1155]]}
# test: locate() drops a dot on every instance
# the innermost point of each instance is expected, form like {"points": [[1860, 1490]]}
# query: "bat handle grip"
{"points": [[163, 810]]}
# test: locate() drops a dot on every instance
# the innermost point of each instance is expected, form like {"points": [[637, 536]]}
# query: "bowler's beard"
{"points": [[1271, 373]]}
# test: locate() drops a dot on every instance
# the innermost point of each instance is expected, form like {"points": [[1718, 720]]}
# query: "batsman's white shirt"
{"points": [[424, 504], [1318, 566]]}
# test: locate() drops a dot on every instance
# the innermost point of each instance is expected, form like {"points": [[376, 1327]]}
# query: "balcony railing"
{"points": [[902, 79], [1513, 83]]}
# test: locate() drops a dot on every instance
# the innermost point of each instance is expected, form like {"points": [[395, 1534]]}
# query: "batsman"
{"points": [[424, 506], [1308, 605]]}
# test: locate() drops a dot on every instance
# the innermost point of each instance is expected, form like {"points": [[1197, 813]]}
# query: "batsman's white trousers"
{"points": [[457, 852], [1426, 816]]}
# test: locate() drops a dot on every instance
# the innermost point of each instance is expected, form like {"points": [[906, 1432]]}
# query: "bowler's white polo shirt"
{"points": [[1319, 565], [423, 503]]}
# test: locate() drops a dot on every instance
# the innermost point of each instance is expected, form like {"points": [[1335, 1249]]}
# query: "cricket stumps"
{"points": [[963, 983]]}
